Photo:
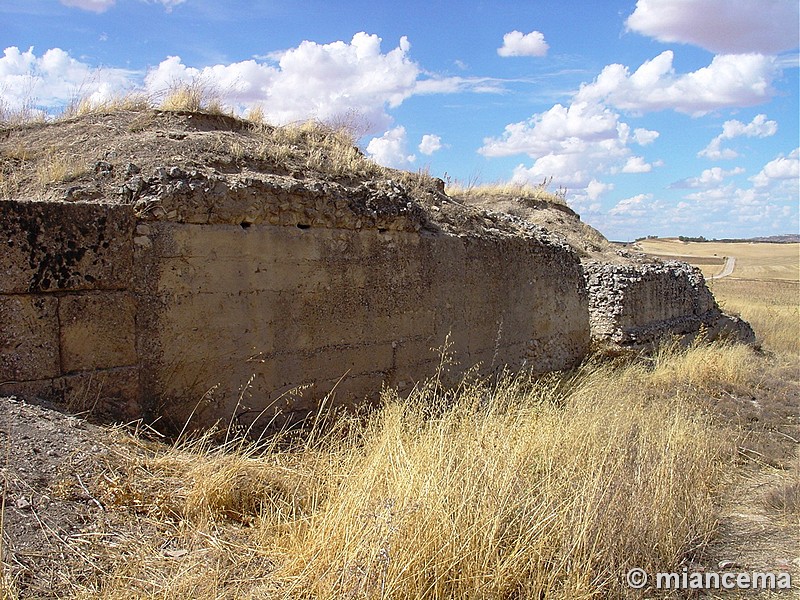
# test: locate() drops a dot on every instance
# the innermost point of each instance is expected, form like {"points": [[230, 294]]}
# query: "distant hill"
{"points": [[789, 238]]}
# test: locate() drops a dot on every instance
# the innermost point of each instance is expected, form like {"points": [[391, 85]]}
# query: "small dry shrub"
{"points": [[193, 96]]}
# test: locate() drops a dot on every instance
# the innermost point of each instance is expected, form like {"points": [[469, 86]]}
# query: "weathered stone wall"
{"points": [[67, 311], [159, 318], [635, 305]]}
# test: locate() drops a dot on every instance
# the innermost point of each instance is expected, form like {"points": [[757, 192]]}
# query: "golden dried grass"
{"points": [[546, 487]]}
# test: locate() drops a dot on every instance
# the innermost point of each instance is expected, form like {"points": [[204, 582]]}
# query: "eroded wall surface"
{"points": [[160, 319], [277, 317]]}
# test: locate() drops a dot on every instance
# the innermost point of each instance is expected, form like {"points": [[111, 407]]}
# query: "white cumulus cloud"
{"points": [[313, 80], [635, 206], [572, 144], [391, 149], [644, 137], [516, 43], [430, 143], [708, 178], [729, 81], [595, 189], [758, 127], [562, 129], [55, 78], [721, 26], [782, 168], [637, 164]]}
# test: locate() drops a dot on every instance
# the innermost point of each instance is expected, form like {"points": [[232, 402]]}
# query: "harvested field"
{"points": [[757, 261]]}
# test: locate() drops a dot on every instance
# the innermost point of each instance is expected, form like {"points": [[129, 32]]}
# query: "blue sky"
{"points": [[659, 117]]}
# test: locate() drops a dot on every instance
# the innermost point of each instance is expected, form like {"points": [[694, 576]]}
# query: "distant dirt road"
{"points": [[730, 263]]}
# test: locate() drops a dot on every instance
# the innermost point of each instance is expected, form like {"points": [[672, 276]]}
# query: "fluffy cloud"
{"points": [[758, 127], [643, 137], [430, 143], [322, 81], [517, 43], [637, 164], [390, 150], [572, 144], [562, 129], [729, 81], [55, 78], [782, 168], [597, 188], [708, 178], [586, 200], [313, 80], [635, 206], [721, 26]]}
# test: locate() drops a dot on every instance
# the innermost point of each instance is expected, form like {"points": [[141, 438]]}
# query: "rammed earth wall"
{"points": [[251, 314]]}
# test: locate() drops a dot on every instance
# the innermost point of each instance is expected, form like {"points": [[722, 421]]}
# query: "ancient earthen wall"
{"points": [[158, 318], [248, 314]]}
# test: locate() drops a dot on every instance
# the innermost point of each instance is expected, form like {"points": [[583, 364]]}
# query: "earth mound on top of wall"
{"points": [[195, 167], [635, 300], [550, 212]]}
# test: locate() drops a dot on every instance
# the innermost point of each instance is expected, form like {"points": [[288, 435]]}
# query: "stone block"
{"points": [[28, 338], [48, 246], [98, 331]]}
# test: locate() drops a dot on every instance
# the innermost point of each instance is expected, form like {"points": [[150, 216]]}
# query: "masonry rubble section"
{"points": [[637, 304]]}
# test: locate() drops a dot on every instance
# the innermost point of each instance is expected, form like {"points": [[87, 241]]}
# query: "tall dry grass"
{"points": [[772, 307], [523, 191], [547, 487]]}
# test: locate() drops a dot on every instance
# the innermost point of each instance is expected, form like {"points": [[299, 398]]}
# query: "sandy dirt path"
{"points": [[730, 264]]}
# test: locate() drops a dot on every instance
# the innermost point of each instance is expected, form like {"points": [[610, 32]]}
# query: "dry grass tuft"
{"points": [[703, 368], [58, 167], [324, 149], [131, 102], [522, 191], [193, 96]]}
